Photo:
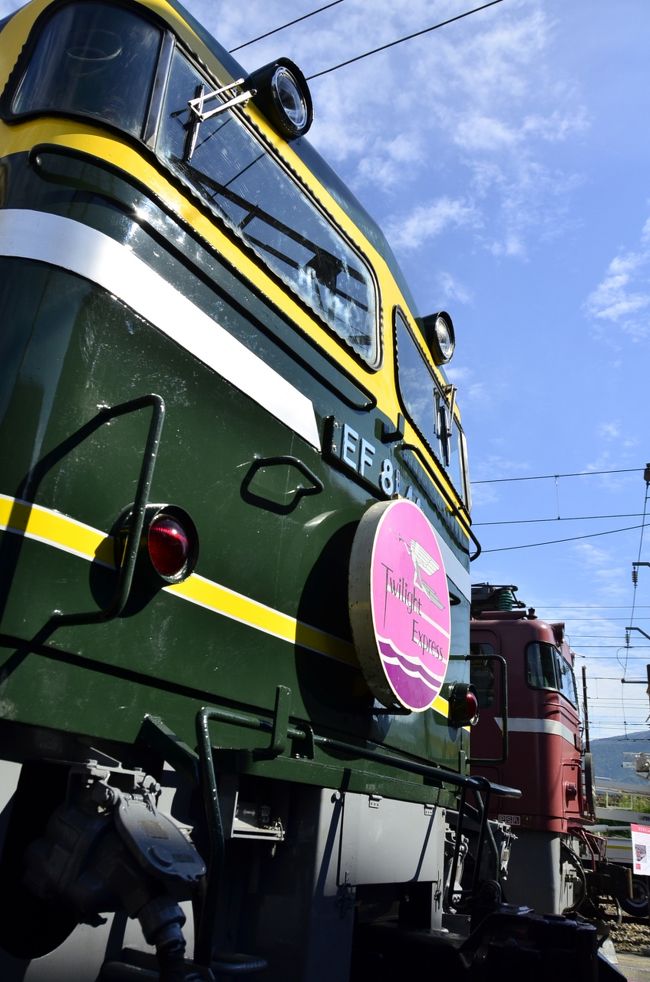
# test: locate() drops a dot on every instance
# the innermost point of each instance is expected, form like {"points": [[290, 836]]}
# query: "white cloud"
{"points": [[623, 294], [494, 466], [608, 578], [511, 245], [471, 120], [556, 126], [615, 297], [592, 555], [478, 132], [426, 222], [452, 289], [645, 232], [609, 431], [476, 391], [386, 165]]}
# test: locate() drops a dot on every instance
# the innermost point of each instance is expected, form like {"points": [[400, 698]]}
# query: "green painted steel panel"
{"points": [[69, 348]]}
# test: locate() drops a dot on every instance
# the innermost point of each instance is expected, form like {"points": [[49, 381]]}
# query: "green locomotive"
{"points": [[235, 535]]}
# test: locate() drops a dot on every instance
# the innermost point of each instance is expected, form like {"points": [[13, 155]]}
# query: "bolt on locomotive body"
{"points": [[235, 540]]}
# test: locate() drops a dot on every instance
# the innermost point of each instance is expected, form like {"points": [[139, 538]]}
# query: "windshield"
{"points": [[429, 407], [249, 189], [547, 669], [93, 59]]}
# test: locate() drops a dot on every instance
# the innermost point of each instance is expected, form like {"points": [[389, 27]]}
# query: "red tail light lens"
{"points": [[169, 546], [463, 705]]}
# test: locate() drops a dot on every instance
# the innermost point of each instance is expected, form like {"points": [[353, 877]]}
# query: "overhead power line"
{"points": [[282, 26], [560, 518], [635, 567], [624, 736], [611, 658], [563, 606], [550, 477], [572, 538], [408, 37], [603, 678]]}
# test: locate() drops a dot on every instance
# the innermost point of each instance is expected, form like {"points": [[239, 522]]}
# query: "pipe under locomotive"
{"points": [[234, 574]]}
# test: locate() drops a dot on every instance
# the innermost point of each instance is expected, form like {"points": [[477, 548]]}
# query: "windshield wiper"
{"points": [[197, 110]]}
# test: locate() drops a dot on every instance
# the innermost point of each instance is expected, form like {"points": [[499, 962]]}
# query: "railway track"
{"points": [[632, 935]]}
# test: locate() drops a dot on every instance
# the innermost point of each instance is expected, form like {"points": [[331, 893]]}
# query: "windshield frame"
{"points": [[441, 402]]}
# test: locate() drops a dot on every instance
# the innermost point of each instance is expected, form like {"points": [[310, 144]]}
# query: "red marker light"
{"points": [[169, 546], [463, 705], [471, 706]]}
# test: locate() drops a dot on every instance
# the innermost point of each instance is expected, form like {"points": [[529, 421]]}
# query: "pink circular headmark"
{"points": [[399, 605]]}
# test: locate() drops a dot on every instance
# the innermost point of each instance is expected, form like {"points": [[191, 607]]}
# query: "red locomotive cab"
{"points": [[539, 749]]}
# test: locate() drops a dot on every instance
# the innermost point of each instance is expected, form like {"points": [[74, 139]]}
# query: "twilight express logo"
{"points": [[399, 605]]}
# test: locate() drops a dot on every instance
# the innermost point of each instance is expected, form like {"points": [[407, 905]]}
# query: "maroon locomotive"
{"points": [[530, 735]]}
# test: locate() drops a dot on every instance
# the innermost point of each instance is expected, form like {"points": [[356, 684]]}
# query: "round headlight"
{"points": [[282, 94], [438, 331], [444, 336], [291, 100]]}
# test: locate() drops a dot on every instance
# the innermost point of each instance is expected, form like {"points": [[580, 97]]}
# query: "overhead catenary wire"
{"points": [[562, 606], [552, 477], [572, 538], [289, 23], [646, 475], [617, 727], [559, 518], [408, 37], [603, 678], [603, 647]]}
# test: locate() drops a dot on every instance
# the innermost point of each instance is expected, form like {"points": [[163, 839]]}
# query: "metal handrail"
{"points": [[137, 512]]}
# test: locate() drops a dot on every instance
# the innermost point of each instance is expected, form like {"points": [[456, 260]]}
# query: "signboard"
{"points": [[641, 849], [399, 605]]}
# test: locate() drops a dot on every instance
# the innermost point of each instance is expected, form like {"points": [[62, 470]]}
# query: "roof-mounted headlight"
{"points": [[438, 331], [282, 94]]}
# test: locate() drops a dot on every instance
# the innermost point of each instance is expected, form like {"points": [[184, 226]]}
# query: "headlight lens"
{"points": [[444, 332], [290, 98], [281, 92], [438, 331]]}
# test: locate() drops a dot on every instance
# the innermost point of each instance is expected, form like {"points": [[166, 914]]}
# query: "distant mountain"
{"points": [[610, 754]]}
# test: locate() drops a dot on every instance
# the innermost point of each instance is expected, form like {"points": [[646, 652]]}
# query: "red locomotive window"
{"points": [[482, 673], [567, 680], [547, 669]]}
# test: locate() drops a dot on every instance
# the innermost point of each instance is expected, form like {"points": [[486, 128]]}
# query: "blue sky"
{"points": [[507, 158]]}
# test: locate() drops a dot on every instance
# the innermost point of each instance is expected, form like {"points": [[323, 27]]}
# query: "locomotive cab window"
{"points": [[429, 407], [482, 672], [100, 61], [566, 680], [95, 60], [237, 177], [547, 669]]}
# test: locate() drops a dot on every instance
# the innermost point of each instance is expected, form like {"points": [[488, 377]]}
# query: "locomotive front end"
{"points": [[234, 595]]}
